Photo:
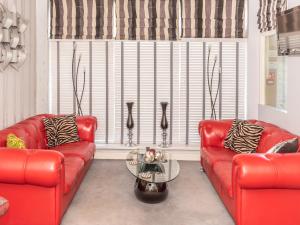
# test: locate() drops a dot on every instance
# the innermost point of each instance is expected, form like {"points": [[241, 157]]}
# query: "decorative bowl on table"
{"points": [[152, 162], [154, 156]]}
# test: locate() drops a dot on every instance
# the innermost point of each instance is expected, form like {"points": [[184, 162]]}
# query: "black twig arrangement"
{"points": [[210, 79], [75, 72]]}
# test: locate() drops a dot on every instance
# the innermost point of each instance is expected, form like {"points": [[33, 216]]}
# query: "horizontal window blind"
{"points": [[148, 73]]}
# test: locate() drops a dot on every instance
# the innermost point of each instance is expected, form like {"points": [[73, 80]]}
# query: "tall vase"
{"points": [[164, 124], [130, 124]]}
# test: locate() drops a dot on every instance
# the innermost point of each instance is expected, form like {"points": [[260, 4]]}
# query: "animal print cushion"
{"points": [[61, 130], [244, 137], [228, 142]]}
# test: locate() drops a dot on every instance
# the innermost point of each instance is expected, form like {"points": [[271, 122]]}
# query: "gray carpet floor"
{"points": [[106, 197]]}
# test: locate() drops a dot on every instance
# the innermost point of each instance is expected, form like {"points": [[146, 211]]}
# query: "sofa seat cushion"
{"points": [[215, 154], [223, 172], [82, 149], [73, 166]]}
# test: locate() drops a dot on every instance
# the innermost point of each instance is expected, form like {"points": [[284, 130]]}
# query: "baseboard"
{"points": [[186, 155]]}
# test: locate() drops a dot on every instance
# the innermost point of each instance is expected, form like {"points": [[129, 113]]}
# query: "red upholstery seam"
{"points": [[25, 166], [274, 167]]}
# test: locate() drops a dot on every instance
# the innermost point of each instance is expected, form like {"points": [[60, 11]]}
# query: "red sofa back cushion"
{"points": [[214, 132], [31, 130], [271, 136]]}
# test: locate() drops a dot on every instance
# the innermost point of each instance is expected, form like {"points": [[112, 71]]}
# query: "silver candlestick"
{"points": [[130, 141], [164, 135]]}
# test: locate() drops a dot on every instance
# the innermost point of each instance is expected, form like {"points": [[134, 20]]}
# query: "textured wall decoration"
{"points": [[12, 40], [267, 14], [81, 19], [147, 20], [214, 19]]}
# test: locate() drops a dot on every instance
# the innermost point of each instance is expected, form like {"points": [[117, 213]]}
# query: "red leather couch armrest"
{"points": [[34, 167], [87, 126], [266, 171], [213, 132]]}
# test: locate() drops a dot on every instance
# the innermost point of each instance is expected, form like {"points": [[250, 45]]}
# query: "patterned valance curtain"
{"points": [[147, 19], [267, 14], [81, 19], [213, 18]]}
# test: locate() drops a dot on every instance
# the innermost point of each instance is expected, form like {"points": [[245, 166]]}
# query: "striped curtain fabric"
{"points": [[147, 19], [213, 18], [81, 19], [267, 14]]}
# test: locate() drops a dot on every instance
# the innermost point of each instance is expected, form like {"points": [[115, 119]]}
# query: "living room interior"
{"points": [[135, 112]]}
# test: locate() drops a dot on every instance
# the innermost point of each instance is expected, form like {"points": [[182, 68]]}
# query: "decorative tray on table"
{"points": [[148, 163]]}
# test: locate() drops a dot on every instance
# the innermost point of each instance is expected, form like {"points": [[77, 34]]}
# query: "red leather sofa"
{"points": [[258, 188], [38, 182]]}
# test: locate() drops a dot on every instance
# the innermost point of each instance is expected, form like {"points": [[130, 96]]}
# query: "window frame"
{"points": [[262, 69], [242, 40]]}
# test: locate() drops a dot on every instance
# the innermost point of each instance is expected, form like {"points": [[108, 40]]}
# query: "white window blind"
{"points": [[148, 73]]}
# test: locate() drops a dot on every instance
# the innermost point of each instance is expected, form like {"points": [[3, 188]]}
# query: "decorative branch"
{"points": [[75, 73], [210, 80], [217, 94], [82, 92]]}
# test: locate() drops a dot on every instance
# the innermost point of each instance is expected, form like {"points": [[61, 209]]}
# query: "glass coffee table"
{"points": [[152, 178]]}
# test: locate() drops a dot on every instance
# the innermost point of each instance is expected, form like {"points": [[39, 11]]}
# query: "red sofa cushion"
{"points": [[30, 130], [73, 167], [215, 154], [271, 136], [87, 126], [82, 149], [19, 132], [223, 172], [37, 122]]}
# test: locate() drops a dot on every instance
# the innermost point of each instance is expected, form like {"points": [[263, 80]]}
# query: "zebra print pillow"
{"points": [[228, 142], [61, 130], [244, 137]]}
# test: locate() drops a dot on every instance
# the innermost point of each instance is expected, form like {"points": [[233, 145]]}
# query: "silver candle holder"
{"points": [[130, 139]]}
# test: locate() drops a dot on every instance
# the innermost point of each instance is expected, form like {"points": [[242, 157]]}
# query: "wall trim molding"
{"points": [[185, 155]]}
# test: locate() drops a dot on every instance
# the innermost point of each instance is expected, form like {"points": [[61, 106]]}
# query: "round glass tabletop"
{"points": [[156, 172]]}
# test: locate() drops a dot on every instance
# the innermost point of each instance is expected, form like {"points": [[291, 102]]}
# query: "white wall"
{"points": [[253, 61], [17, 88], [42, 57], [290, 119]]}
